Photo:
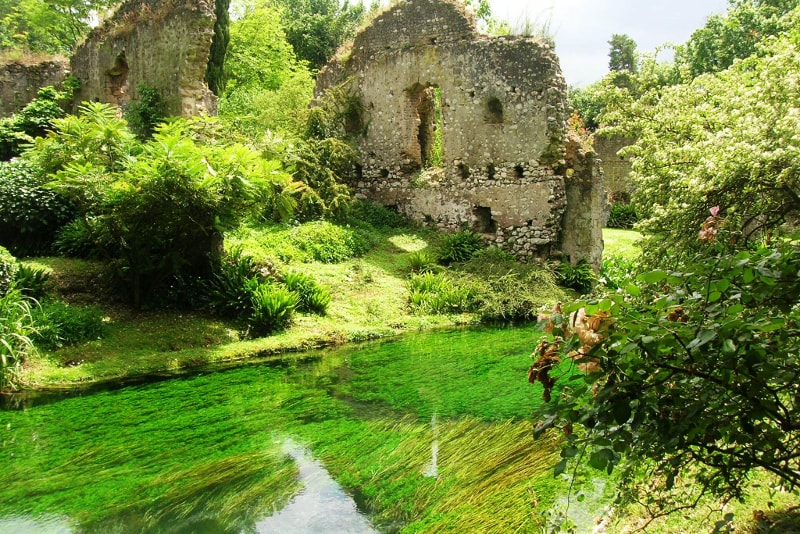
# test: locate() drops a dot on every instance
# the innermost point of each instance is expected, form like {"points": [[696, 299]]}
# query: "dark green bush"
{"points": [[313, 298], [144, 113], [580, 277], [459, 247], [376, 215], [228, 290], [622, 216], [32, 280], [330, 243], [30, 213], [8, 270], [272, 308], [33, 121], [73, 240], [59, 324]]}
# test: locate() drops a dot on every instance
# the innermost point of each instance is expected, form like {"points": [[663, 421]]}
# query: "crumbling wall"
{"points": [[585, 215], [502, 125], [616, 169], [163, 44], [20, 82]]}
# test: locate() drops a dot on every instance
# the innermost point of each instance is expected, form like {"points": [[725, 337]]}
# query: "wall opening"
{"points": [[427, 107], [463, 170], [493, 114], [484, 224], [117, 81], [519, 171]]}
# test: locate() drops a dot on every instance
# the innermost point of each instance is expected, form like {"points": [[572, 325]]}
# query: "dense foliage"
{"points": [[729, 139], [154, 210], [215, 72], [734, 35], [316, 28], [30, 212], [33, 120], [51, 26], [697, 373]]}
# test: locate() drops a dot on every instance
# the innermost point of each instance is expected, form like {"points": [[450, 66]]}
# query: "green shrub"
{"points": [[517, 294], [144, 113], [272, 308], [16, 329], [32, 280], [60, 324], [330, 243], [617, 272], [622, 216], [376, 215], [30, 213], [73, 240], [32, 121], [8, 270], [579, 277], [459, 247], [422, 261], [228, 290], [313, 298]]}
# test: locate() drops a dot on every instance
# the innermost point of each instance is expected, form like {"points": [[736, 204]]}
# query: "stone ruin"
{"points": [[616, 168], [466, 131], [164, 44], [20, 81], [458, 130]]}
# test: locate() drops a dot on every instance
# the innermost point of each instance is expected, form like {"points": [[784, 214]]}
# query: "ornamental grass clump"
{"points": [[273, 309]]}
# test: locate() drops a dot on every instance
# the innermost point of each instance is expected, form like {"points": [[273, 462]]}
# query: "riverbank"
{"points": [[369, 301]]}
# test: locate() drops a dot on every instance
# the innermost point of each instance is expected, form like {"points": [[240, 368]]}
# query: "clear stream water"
{"points": [[358, 439]]}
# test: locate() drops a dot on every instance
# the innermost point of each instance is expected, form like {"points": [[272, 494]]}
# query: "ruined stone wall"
{"points": [[20, 82], [502, 103], [163, 44], [585, 216], [616, 169]]}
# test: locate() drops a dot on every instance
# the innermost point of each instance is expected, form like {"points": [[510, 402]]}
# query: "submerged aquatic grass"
{"points": [[204, 448]]}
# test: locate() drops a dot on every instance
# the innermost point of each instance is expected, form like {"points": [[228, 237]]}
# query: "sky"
{"points": [[582, 28]]}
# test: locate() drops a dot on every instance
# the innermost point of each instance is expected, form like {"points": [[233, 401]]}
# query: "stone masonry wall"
{"points": [[20, 82], [163, 44], [502, 103], [616, 169]]}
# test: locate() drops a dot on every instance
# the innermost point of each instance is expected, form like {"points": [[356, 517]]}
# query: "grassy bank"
{"points": [[369, 301]]}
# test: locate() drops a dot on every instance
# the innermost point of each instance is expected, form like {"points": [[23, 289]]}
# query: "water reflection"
{"points": [[40, 525], [321, 506], [433, 469]]}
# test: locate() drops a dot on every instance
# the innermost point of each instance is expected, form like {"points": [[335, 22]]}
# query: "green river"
{"points": [[431, 432]]}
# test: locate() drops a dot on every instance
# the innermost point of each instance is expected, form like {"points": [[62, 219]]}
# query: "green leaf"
{"points": [[736, 309], [560, 467], [633, 290], [728, 347], [621, 410], [652, 277], [702, 338], [714, 296], [776, 323]]}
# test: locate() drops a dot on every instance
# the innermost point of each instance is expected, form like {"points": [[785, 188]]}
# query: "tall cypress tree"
{"points": [[215, 72]]}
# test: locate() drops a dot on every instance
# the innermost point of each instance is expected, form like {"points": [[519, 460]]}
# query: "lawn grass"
{"points": [[620, 243]]}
